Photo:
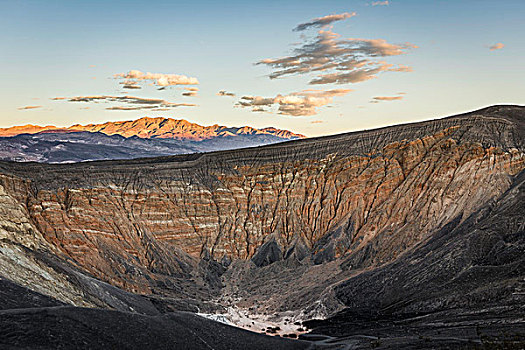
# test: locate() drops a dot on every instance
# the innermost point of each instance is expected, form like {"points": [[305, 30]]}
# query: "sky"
{"points": [[313, 67]]}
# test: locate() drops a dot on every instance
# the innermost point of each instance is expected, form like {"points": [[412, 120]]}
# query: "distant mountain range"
{"points": [[162, 128], [144, 137]]}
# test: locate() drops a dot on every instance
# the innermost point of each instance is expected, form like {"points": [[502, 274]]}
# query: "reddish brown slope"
{"points": [[368, 195]]}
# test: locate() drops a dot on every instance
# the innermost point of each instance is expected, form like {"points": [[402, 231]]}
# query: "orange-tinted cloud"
{"points": [[388, 98], [497, 46], [28, 107], [301, 103], [158, 79], [378, 99], [341, 61]]}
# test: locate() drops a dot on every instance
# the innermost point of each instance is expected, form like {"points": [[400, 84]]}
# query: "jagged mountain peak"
{"points": [[157, 127]]}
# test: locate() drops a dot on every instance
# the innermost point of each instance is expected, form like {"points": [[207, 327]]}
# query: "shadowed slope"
{"points": [[464, 287], [29, 320]]}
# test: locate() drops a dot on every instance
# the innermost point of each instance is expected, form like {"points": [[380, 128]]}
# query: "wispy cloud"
{"points": [[401, 68], [161, 107], [323, 21], [225, 93], [388, 98], [130, 84], [157, 79], [136, 103], [124, 108], [342, 61], [378, 99], [190, 91], [497, 46], [380, 3], [127, 99], [28, 107], [301, 103]]}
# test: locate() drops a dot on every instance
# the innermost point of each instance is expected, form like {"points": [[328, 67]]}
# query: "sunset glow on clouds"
{"points": [[378, 99], [159, 79], [328, 59], [341, 61], [29, 107], [303, 103], [497, 46]]}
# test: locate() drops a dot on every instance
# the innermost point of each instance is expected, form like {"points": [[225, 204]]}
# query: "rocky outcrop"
{"points": [[267, 254]]}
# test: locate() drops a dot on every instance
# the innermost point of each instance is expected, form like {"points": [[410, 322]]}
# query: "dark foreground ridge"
{"points": [[410, 236], [32, 321]]}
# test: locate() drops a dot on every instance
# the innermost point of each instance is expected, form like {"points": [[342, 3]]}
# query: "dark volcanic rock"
{"points": [[298, 250], [29, 320], [464, 287], [13, 296], [267, 254], [77, 328]]}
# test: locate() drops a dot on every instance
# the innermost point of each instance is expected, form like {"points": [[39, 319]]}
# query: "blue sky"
{"points": [[52, 49]]}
